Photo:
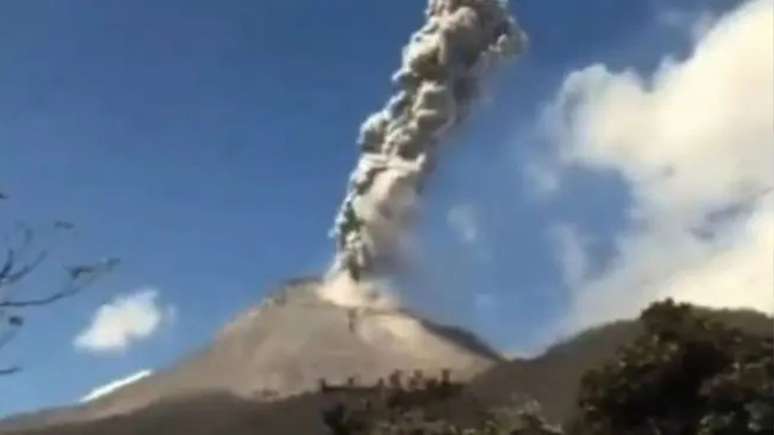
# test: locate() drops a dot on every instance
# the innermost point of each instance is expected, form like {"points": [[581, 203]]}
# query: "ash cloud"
{"points": [[442, 68]]}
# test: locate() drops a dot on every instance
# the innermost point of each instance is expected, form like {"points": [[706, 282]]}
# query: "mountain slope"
{"points": [[285, 347], [552, 378]]}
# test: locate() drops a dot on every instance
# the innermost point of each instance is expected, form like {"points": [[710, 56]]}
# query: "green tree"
{"points": [[687, 374]]}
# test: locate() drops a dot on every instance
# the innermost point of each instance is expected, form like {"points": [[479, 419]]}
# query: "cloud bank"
{"points": [[123, 322], [695, 144]]}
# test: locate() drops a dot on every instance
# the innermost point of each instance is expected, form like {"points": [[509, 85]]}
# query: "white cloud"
{"points": [[113, 386], [695, 143], [463, 221], [123, 322]]}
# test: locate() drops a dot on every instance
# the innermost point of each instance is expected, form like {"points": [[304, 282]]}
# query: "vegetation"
{"points": [[681, 370], [410, 412], [685, 374]]}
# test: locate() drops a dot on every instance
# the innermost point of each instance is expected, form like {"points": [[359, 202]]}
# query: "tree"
{"points": [[20, 261], [687, 374], [413, 409]]}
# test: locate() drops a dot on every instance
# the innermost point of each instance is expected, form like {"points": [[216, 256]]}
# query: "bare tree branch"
{"points": [[64, 225], [86, 273], [7, 266], [41, 301], [15, 322], [11, 272], [9, 371], [14, 277]]}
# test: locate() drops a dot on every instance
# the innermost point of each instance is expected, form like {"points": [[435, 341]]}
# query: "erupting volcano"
{"points": [[344, 325]]}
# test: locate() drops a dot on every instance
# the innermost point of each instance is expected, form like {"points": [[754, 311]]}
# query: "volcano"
{"points": [[285, 347], [251, 380]]}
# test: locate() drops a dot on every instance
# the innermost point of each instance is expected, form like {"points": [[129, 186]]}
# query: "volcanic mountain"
{"points": [[286, 346], [204, 396]]}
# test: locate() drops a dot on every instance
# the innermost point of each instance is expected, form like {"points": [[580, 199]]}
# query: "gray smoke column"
{"points": [[442, 68]]}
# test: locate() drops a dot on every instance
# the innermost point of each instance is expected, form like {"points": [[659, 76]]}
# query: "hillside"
{"points": [[283, 348], [553, 379]]}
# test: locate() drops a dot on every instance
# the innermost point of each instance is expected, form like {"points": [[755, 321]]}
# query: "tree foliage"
{"points": [[687, 374], [414, 411]]}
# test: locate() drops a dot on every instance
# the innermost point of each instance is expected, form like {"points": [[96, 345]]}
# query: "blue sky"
{"points": [[207, 144]]}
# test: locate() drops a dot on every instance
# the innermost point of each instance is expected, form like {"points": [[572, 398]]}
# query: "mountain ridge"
{"points": [[551, 378], [284, 346]]}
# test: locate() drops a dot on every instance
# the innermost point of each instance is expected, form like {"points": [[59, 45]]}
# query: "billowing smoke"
{"points": [[442, 68]]}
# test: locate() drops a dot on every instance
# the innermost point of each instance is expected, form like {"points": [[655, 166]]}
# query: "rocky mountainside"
{"points": [[284, 347], [263, 370]]}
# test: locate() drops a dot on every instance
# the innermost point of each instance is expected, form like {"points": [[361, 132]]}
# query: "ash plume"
{"points": [[442, 67]]}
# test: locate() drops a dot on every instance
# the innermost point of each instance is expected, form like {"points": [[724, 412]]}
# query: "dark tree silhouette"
{"points": [[687, 374], [690, 371], [18, 264]]}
